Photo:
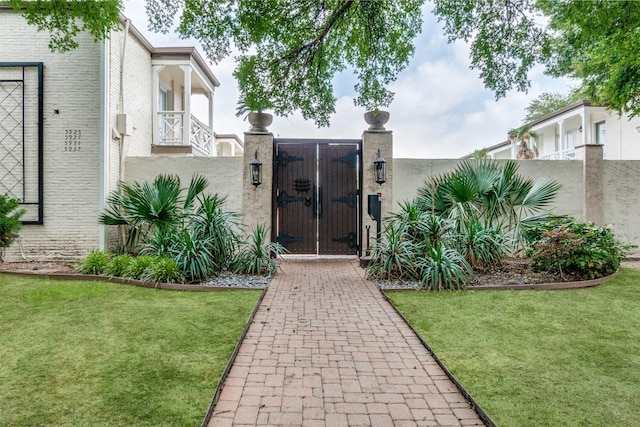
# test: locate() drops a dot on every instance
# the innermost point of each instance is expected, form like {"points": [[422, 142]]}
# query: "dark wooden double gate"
{"points": [[316, 196]]}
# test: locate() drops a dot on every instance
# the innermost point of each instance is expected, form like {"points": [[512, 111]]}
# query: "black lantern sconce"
{"points": [[255, 169], [380, 166]]}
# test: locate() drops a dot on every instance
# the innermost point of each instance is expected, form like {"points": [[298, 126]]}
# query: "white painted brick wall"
{"points": [[71, 180]]}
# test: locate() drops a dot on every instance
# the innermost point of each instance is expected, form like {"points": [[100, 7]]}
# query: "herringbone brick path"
{"points": [[325, 349]]}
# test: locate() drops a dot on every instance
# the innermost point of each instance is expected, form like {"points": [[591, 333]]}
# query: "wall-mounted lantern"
{"points": [[255, 169], [380, 165]]}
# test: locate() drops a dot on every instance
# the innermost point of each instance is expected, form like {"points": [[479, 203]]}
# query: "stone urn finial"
{"points": [[376, 119], [259, 121]]}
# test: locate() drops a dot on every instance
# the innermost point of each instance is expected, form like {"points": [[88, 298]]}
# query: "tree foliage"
{"points": [[64, 20], [593, 41], [290, 50], [548, 102]]}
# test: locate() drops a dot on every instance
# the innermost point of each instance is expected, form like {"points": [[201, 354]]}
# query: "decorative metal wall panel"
{"points": [[21, 136]]}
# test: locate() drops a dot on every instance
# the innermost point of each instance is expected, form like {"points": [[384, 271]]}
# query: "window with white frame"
{"points": [[601, 132]]}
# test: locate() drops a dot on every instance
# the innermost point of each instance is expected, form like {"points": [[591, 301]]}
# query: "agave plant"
{"points": [[482, 247]]}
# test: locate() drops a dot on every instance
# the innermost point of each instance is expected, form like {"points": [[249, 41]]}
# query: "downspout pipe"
{"points": [[104, 133], [122, 110]]}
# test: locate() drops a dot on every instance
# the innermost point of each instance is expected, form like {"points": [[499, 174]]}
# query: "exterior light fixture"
{"points": [[255, 169], [380, 166]]}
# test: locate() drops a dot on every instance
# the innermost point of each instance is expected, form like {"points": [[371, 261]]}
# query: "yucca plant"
{"points": [[258, 256], [482, 247], [210, 221], [395, 255], [192, 253], [444, 269]]}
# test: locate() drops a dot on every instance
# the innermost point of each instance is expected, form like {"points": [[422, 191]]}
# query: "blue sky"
{"points": [[441, 108]]}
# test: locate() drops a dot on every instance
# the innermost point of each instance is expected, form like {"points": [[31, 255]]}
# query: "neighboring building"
{"points": [[555, 135], [68, 121]]}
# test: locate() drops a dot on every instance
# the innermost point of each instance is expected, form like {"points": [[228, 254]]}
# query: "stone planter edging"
{"points": [[133, 282], [555, 286]]}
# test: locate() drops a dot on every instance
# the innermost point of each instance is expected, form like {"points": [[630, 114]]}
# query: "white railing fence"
{"points": [[170, 127], [569, 154], [201, 136]]}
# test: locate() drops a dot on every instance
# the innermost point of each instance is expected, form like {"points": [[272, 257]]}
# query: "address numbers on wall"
{"points": [[72, 140]]}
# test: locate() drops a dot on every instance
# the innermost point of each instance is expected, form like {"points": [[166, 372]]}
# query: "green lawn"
{"points": [[95, 353], [540, 358]]}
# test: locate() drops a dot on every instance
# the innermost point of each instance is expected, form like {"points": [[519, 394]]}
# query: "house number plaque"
{"points": [[72, 140]]}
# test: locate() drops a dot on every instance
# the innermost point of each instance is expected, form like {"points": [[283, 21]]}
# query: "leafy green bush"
{"points": [[118, 265], [10, 224], [138, 266], [95, 263], [257, 256], [575, 250], [163, 269]]}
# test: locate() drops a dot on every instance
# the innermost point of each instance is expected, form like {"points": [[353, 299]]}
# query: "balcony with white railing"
{"points": [[201, 137], [569, 154], [171, 134]]}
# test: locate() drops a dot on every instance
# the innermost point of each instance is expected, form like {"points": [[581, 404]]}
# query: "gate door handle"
{"points": [[317, 201]]}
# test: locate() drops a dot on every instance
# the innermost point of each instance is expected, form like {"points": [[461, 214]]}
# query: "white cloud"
{"points": [[441, 108]]}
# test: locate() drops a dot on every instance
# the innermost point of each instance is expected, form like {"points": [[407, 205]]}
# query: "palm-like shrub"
{"points": [[144, 207], [491, 193], [257, 255], [162, 219]]}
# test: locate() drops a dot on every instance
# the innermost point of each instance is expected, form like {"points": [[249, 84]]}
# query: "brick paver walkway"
{"points": [[325, 349]]}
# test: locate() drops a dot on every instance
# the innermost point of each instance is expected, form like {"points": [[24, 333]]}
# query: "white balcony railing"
{"points": [[201, 136], [569, 154], [171, 125]]}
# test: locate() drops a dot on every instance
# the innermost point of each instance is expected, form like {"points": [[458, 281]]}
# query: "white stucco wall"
{"points": [[224, 173], [410, 175], [137, 91], [622, 199], [71, 179]]}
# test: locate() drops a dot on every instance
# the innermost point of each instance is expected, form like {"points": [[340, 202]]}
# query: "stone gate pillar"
{"points": [[374, 139], [256, 201], [592, 182]]}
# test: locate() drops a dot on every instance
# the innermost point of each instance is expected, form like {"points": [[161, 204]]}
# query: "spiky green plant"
{"points": [[395, 255], [444, 269], [258, 256], [482, 247]]}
